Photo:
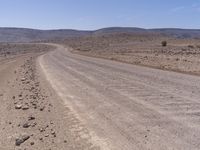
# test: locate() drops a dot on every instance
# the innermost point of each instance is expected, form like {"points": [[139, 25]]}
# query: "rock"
{"points": [[53, 132], [31, 118], [18, 106], [26, 125], [33, 103], [42, 108], [25, 107], [23, 79], [42, 129], [37, 84], [21, 139], [32, 88], [20, 98], [34, 124], [32, 143], [46, 135]]}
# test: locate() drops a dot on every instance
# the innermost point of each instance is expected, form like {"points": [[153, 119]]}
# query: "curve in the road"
{"points": [[126, 106]]}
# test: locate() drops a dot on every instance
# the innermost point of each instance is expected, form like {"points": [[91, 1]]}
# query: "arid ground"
{"points": [[180, 54], [119, 91]]}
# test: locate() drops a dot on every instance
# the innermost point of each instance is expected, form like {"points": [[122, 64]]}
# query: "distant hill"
{"points": [[30, 35], [112, 30], [172, 32], [179, 33]]}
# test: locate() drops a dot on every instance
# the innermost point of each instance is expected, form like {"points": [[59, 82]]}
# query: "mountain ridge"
{"points": [[14, 34]]}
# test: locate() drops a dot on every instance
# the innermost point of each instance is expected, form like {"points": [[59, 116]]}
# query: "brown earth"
{"points": [[32, 115], [55, 99], [123, 107], [142, 49]]}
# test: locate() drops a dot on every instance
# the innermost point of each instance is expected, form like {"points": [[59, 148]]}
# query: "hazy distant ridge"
{"points": [[28, 35]]}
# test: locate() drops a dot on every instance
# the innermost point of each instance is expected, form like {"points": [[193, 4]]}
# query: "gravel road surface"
{"points": [[124, 107]]}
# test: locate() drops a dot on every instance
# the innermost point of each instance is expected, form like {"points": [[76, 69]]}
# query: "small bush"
{"points": [[164, 43], [190, 46], [198, 46]]}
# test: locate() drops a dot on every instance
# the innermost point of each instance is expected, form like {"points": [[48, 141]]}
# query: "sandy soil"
{"points": [[32, 115], [122, 106], [180, 55], [64, 101]]}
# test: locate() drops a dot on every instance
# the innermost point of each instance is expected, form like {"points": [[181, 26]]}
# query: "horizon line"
{"points": [[56, 29]]}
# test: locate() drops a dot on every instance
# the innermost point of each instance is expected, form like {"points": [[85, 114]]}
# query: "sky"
{"points": [[96, 14]]}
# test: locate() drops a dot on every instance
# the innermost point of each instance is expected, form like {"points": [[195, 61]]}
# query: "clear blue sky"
{"points": [[94, 14]]}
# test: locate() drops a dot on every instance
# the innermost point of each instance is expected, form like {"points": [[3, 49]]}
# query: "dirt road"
{"points": [[32, 115], [125, 107]]}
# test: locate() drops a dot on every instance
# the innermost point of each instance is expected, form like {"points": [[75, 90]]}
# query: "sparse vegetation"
{"points": [[164, 43], [190, 46], [11, 50], [150, 52], [198, 46]]}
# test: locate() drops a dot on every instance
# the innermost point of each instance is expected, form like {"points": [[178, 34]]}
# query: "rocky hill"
{"points": [[30, 35]]}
